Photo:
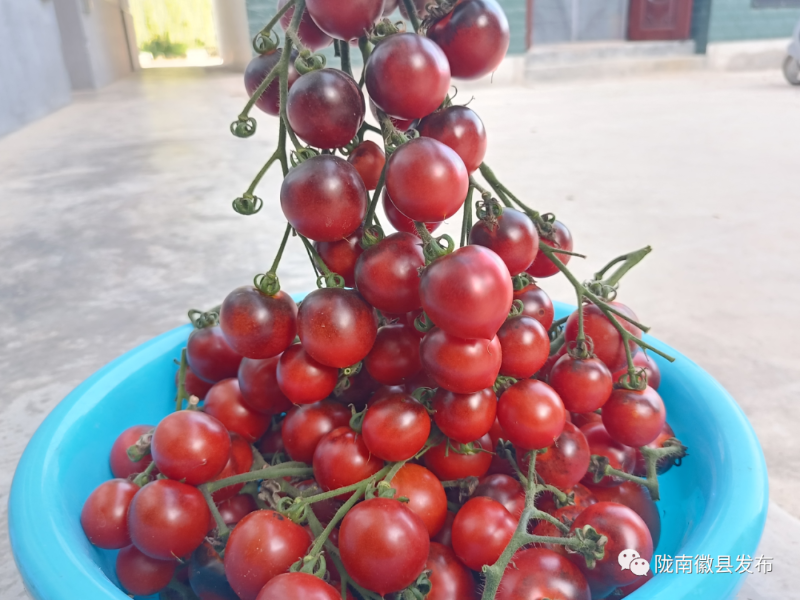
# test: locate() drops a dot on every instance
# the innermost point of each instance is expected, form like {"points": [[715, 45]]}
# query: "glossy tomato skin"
{"points": [[562, 239], [142, 575], [619, 456], [474, 37], [207, 575], [395, 428], [607, 343], [467, 293], [450, 579], [638, 499], [464, 417], [387, 274], [531, 414], [256, 325], [481, 531], [209, 355], [237, 508], [444, 537], [526, 346], [312, 36], [341, 256], [104, 516], [461, 366], [342, 458], [345, 21], [426, 180], [193, 384], [634, 417], [541, 573], [258, 383], [298, 585], [537, 304], [663, 464], [258, 69], [122, 466], [324, 198], [460, 128], [401, 222], [407, 76], [225, 403], [448, 465], [263, 545], [368, 159], [304, 426], [504, 489], [383, 544], [512, 236], [326, 108], [425, 495], [394, 357], [239, 462], [583, 384], [565, 462], [642, 360], [303, 379], [168, 519]]}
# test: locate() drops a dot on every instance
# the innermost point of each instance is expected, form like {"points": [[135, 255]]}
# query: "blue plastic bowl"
{"points": [[715, 504]]}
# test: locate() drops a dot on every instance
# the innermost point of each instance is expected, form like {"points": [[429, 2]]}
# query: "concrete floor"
{"points": [[115, 219]]}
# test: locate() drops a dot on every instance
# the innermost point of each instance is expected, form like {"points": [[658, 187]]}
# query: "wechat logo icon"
{"points": [[630, 559]]}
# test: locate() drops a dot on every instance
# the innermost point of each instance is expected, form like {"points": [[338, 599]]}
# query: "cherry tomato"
{"points": [[258, 382], [445, 537], [395, 356], [342, 458], [564, 463], [362, 386], [638, 499], [619, 456], [263, 545], [627, 590], [341, 256], [326, 108], [450, 579], [304, 426], [408, 77], [461, 129], [312, 36], [467, 293], [239, 462], [481, 531], [541, 573], [512, 236], [566, 515], [526, 346], [607, 343], [464, 417], [425, 495], [298, 585], [303, 379], [396, 427], [207, 575], [544, 372], [401, 222], [536, 303], [581, 496], [562, 239], [426, 180], [642, 360], [504, 489], [663, 464], [104, 516], [387, 273], [368, 159], [336, 327], [399, 124], [209, 355], [121, 465], [420, 379], [345, 21], [258, 69], [581, 419], [237, 508], [168, 519], [142, 575], [256, 325], [449, 464], [474, 37], [634, 417], [531, 414], [383, 544], [459, 365], [583, 384], [324, 198], [225, 403], [193, 384]]}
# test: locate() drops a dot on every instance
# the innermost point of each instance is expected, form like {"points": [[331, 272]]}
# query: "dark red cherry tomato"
{"points": [[298, 585], [271, 442], [445, 537], [481, 531], [303, 379], [564, 463], [474, 37], [459, 365], [467, 293], [583, 384], [512, 236], [396, 427], [536, 303], [193, 384], [408, 76], [663, 464], [562, 239], [426, 180], [547, 367], [142, 575], [634, 417], [627, 590], [368, 159], [304, 426], [542, 573], [225, 403], [326, 108], [464, 417], [401, 222], [384, 545], [104, 516], [235, 509], [450, 579], [209, 355], [504, 489], [312, 36], [263, 545], [362, 386], [239, 462], [395, 356], [341, 256], [581, 419], [607, 343], [642, 360], [531, 414], [619, 456], [168, 519], [526, 346], [399, 124], [450, 462], [121, 465], [256, 325], [342, 458], [258, 382], [387, 274], [386, 391], [324, 198], [461, 129], [345, 21], [425, 495], [207, 575], [638, 499], [420, 379], [258, 69]]}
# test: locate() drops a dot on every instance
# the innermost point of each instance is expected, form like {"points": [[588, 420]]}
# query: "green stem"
{"points": [[412, 14], [265, 31], [346, 489], [366, 49], [143, 477], [629, 261], [222, 528], [675, 450], [276, 262], [284, 158], [181, 395], [466, 220], [340, 514], [275, 156], [259, 90], [373, 205], [287, 469], [283, 66]]}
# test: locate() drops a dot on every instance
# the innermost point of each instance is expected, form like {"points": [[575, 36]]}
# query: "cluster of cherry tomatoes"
{"points": [[410, 372]]}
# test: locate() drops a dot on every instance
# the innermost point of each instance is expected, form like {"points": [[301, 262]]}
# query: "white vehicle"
{"points": [[791, 64]]}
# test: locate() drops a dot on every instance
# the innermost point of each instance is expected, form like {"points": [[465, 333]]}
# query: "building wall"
{"points": [[739, 20]]}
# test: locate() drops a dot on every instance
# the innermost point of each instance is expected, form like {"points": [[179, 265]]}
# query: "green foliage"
{"points": [[163, 46], [170, 27]]}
